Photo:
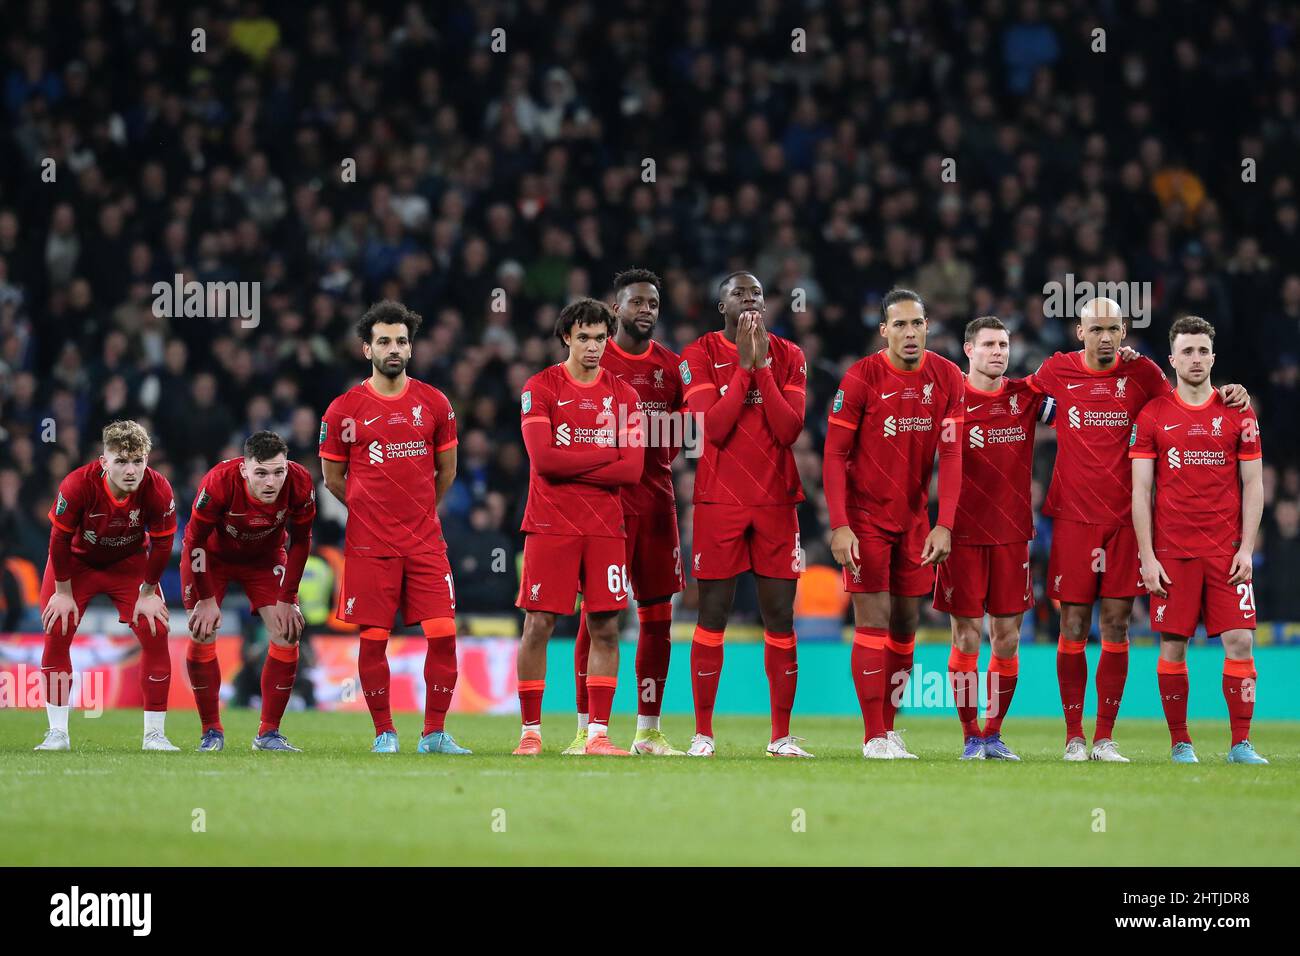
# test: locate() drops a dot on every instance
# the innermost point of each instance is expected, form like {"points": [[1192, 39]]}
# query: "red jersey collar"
{"points": [[631, 356], [903, 371], [388, 398], [1082, 362], [1195, 408], [600, 373], [1002, 387]]}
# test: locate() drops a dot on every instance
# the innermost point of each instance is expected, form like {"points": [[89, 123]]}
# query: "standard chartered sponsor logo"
{"points": [[1002, 436], [396, 449], [117, 542], [1173, 458], [566, 434], [1190, 457], [1093, 419], [907, 423], [976, 437]]}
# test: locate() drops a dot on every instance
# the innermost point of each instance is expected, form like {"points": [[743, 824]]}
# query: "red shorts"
{"points": [[728, 539], [558, 566], [120, 581], [260, 580], [1199, 590], [1089, 561], [889, 560], [654, 555], [372, 589], [985, 577]]}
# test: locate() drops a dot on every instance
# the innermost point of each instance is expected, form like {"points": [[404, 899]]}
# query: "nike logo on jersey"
{"points": [[567, 401], [971, 408], [722, 365], [100, 515], [236, 514], [369, 420], [888, 394], [1167, 427], [158, 679], [1078, 385], [869, 673]]}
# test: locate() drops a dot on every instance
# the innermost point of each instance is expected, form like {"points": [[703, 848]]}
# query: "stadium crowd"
{"points": [[972, 151]]}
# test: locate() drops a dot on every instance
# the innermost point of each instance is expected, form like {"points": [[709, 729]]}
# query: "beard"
{"points": [[391, 371]]}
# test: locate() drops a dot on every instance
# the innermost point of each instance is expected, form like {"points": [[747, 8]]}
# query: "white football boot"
{"points": [[1107, 750], [157, 740], [701, 746], [1076, 750], [54, 740], [895, 741], [877, 748], [786, 747]]}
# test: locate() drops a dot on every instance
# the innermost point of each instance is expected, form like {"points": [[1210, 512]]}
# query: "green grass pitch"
{"points": [[106, 803]]}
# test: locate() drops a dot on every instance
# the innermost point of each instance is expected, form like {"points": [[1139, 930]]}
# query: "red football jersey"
{"points": [[751, 467], [997, 463], [1092, 482], [657, 381], [1197, 485], [898, 418], [240, 528], [582, 417], [105, 529], [389, 445]]}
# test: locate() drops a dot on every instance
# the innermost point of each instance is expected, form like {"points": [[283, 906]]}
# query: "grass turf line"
{"points": [[107, 803]]}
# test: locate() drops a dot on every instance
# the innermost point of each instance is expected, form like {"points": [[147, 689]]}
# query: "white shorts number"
{"points": [[1247, 592], [617, 579], [451, 589]]}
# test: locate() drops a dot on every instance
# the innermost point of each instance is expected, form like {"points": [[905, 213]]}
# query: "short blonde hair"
{"points": [[127, 437]]}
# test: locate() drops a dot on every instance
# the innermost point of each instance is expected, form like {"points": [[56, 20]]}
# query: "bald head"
{"points": [[1101, 308]]}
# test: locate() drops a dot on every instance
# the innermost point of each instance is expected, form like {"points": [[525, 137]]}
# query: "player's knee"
{"points": [[1175, 650], [965, 636], [1074, 624], [538, 625], [1238, 644], [904, 622], [1004, 636]]}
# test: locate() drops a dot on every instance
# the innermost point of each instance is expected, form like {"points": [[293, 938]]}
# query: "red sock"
{"points": [[898, 668], [706, 671], [372, 664], [1112, 672], [581, 651], [1072, 676], [1239, 692], [653, 649], [155, 664], [56, 667], [530, 702], [963, 678], [868, 661], [205, 680], [1172, 678], [1001, 684], [278, 674], [439, 672], [781, 661], [600, 691]]}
